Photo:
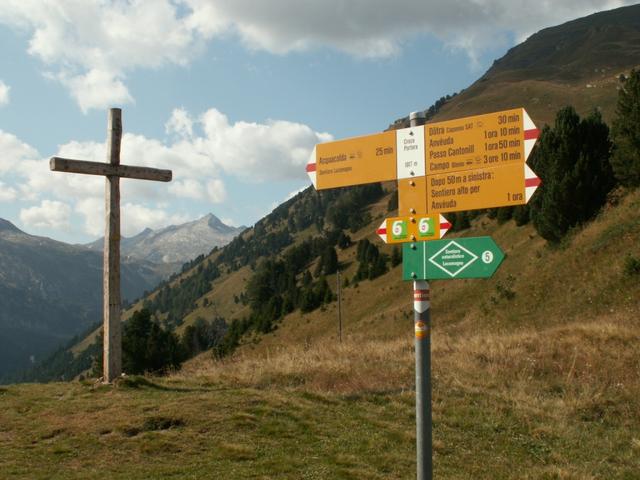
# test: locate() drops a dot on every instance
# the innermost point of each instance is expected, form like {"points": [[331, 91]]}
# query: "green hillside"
{"points": [[305, 216], [578, 63], [546, 379], [536, 371]]}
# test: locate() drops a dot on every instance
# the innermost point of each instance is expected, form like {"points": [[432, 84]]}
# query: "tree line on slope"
{"points": [[277, 287], [579, 160], [148, 347]]}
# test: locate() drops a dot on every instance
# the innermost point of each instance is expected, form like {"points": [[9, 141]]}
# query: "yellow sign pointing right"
{"points": [[489, 140], [511, 184]]}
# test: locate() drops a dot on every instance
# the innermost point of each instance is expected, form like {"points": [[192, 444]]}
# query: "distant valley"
{"points": [[51, 291]]}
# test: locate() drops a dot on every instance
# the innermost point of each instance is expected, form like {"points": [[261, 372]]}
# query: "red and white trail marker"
{"points": [[531, 182], [413, 228]]}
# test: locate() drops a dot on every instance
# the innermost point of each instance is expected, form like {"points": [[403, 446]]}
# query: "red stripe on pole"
{"points": [[532, 182], [531, 134], [311, 167]]}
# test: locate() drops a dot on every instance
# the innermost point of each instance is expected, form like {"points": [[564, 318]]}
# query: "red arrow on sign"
{"points": [[531, 182]]}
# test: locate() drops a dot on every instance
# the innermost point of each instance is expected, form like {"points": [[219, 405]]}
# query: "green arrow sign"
{"points": [[476, 257]]}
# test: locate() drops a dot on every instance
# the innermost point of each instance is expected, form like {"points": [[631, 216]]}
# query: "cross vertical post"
{"points": [[112, 171], [112, 345]]}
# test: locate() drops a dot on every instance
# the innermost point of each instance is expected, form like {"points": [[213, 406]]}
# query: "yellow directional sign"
{"points": [[511, 184], [413, 228], [488, 140], [354, 161], [373, 158], [482, 141]]}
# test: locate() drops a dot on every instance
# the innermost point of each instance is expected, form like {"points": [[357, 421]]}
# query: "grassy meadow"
{"points": [[536, 375], [556, 405]]}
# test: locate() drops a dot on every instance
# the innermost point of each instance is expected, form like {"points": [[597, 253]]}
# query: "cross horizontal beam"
{"points": [[58, 164]]}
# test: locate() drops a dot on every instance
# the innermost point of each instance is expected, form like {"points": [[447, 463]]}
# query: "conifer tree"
{"points": [[147, 347], [625, 159], [521, 215], [396, 256], [328, 261], [572, 159], [504, 214]]}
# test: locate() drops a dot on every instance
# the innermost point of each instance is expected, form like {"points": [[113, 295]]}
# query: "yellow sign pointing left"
{"points": [[368, 159], [354, 161]]}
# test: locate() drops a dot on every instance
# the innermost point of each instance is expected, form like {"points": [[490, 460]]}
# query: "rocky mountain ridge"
{"points": [[175, 244]]}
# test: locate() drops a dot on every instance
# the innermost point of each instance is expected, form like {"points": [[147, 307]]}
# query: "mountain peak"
{"points": [[7, 226], [213, 221]]}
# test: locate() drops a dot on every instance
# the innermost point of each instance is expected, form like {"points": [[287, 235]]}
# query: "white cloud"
{"points": [[187, 188], [49, 214], [253, 152], [134, 217], [274, 150], [180, 123], [96, 89], [229, 222], [92, 209], [14, 153], [4, 93], [378, 28], [138, 217], [7, 193], [91, 45], [216, 191]]}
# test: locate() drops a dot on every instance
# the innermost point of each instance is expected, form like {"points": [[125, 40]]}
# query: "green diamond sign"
{"points": [[476, 257]]}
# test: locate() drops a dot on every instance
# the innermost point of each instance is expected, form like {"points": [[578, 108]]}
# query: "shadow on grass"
{"points": [[136, 382], [376, 396]]}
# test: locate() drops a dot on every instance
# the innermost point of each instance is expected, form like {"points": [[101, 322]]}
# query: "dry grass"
{"points": [[571, 364], [324, 367], [557, 403]]}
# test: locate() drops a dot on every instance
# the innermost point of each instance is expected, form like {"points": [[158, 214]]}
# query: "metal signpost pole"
{"points": [[422, 324], [422, 327], [468, 163], [338, 288]]}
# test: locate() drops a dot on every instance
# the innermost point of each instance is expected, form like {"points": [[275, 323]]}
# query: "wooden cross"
{"points": [[112, 340]]}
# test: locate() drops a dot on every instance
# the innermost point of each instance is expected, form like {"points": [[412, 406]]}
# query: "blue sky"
{"points": [[231, 95]]}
